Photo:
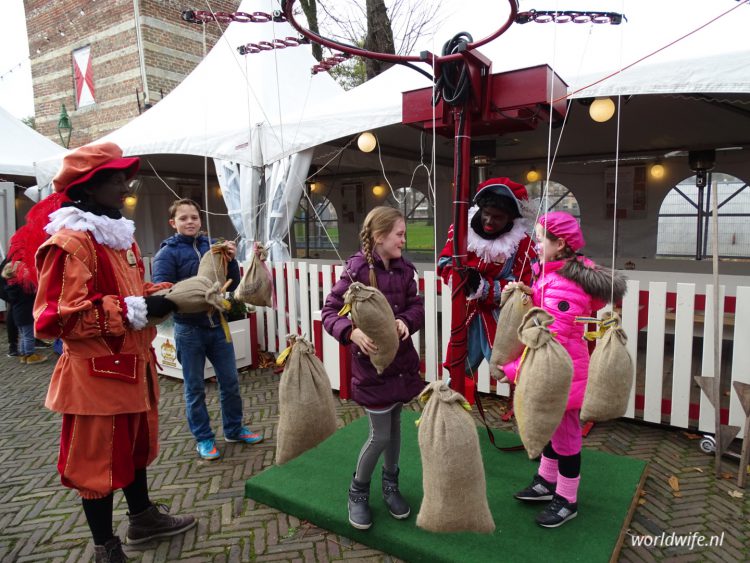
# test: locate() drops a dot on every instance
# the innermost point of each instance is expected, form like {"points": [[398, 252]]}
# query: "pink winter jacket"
{"points": [[568, 290]]}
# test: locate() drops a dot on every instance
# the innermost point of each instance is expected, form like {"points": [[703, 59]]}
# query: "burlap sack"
{"points": [[196, 295], [307, 415], [372, 314], [455, 489], [215, 262], [610, 375], [515, 302], [256, 286], [542, 382]]}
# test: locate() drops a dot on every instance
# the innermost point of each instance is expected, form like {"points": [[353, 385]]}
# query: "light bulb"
{"points": [[131, 200], [657, 171], [602, 109], [367, 142], [378, 191], [532, 175], [313, 186]]}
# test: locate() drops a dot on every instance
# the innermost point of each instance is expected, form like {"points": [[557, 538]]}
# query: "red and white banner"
{"points": [[84, 77]]}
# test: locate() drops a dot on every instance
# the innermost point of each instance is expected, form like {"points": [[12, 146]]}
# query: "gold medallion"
{"points": [[131, 257]]}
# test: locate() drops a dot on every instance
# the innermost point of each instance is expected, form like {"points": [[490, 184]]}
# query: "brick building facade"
{"points": [[137, 51]]}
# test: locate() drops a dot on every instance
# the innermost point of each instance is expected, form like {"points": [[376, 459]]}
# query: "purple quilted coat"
{"points": [[400, 382]]}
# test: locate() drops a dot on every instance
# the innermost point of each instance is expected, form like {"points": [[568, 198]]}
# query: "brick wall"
{"points": [[171, 48]]}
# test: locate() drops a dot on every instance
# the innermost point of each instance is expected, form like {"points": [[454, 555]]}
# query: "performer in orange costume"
{"points": [[93, 296]]}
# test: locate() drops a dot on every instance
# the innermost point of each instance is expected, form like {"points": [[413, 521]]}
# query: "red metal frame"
{"points": [[478, 112]]}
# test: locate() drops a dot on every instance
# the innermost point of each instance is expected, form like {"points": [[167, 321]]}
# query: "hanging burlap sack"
{"points": [[307, 415], [455, 489], [610, 374], [515, 302], [196, 295], [256, 286], [542, 382], [372, 314], [215, 262]]}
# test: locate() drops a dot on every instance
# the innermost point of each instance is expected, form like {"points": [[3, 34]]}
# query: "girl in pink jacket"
{"points": [[566, 286]]}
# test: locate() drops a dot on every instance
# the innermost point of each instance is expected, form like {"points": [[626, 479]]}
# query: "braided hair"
{"points": [[379, 221]]}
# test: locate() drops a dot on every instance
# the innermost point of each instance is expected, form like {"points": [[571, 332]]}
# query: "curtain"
{"points": [[262, 201], [244, 198], [285, 180]]}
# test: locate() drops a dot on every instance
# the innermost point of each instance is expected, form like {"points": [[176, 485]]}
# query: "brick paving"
{"points": [[42, 521]]}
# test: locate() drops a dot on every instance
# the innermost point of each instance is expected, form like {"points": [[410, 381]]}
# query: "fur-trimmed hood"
{"points": [[599, 282]]}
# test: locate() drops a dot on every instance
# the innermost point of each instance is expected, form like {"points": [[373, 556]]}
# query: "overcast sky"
{"points": [[16, 95]]}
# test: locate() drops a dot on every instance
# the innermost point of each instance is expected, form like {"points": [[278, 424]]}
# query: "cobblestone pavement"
{"points": [[42, 521]]}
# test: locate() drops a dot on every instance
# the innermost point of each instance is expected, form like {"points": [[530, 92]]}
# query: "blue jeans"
{"points": [[194, 345], [26, 342]]}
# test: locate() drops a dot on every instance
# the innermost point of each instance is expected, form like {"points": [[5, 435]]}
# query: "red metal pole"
{"points": [[461, 178]]}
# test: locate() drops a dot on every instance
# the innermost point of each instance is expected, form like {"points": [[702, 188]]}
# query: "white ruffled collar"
{"points": [[500, 248], [114, 233]]}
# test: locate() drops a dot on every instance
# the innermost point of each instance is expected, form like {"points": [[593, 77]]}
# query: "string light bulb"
{"points": [[602, 109], [533, 175], [657, 171], [367, 142], [378, 190]]}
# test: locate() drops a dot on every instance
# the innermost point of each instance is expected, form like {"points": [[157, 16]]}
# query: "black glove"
{"points": [[158, 306], [473, 279]]}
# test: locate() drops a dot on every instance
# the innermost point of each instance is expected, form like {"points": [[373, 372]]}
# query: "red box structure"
{"points": [[518, 100]]}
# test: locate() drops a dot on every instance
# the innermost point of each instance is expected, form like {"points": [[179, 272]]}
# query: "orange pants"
{"points": [[99, 454]]}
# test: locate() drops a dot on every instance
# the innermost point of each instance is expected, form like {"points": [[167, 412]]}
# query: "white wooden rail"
{"points": [[662, 319]]}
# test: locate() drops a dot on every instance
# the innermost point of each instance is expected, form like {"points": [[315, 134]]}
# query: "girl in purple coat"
{"points": [[380, 264], [566, 286]]}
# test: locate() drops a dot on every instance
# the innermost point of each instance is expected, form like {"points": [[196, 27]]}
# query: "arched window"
{"points": [[559, 198], [420, 219], [316, 226], [685, 218]]}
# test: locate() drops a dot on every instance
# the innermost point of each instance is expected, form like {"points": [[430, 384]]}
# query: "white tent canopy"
{"points": [[713, 59], [231, 102], [21, 146]]}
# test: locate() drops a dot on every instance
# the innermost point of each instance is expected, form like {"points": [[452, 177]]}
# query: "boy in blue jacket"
{"points": [[199, 336]]}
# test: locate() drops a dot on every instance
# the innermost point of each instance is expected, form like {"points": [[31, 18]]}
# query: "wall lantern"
{"points": [[64, 127]]}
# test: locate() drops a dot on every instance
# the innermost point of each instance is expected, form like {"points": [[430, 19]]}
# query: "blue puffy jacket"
{"points": [[178, 259]]}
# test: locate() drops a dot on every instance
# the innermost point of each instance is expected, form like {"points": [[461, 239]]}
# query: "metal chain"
{"points": [[204, 16], [278, 43], [568, 16], [328, 63]]}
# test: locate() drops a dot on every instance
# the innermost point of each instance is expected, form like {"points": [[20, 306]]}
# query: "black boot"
{"points": [[397, 505], [359, 505], [110, 552], [156, 522]]}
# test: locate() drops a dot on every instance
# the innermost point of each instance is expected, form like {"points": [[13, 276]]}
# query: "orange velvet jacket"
{"points": [[107, 367]]}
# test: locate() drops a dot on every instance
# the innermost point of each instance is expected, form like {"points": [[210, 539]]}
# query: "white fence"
{"points": [[673, 344]]}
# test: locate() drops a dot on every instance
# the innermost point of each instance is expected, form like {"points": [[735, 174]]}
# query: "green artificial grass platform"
{"points": [[313, 487]]}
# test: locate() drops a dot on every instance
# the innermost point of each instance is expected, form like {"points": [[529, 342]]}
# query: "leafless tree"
{"points": [[310, 9], [395, 28]]}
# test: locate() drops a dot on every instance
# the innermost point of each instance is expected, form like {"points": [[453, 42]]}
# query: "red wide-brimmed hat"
{"points": [[79, 166]]}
